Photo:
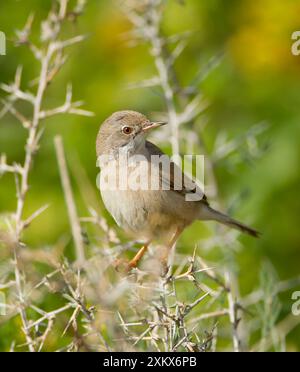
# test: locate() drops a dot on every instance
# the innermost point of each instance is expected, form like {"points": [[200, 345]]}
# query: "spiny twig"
{"points": [[73, 216]]}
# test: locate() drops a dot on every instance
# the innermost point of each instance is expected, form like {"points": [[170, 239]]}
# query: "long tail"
{"points": [[212, 214]]}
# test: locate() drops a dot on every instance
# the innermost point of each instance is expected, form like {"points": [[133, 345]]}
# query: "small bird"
{"points": [[148, 213]]}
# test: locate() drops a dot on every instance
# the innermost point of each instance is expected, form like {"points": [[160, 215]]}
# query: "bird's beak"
{"points": [[153, 125]]}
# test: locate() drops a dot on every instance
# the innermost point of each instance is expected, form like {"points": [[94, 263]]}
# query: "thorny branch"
{"points": [[100, 309], [184, 105], [49, 55]]}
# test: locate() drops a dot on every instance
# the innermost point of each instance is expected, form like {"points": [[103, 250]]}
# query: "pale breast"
{"points": [[140, 209], [127, 211]]}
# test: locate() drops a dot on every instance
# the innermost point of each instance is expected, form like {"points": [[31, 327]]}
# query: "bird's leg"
{"points": [[169, 246], [134, 262]]}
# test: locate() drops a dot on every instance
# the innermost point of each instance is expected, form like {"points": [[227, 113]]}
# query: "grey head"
{"points": [[123, 130]]}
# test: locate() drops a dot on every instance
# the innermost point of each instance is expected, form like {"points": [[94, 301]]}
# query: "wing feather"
{"points": [[174, 178]]}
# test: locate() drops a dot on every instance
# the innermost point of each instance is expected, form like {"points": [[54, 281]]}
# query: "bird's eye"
{"points": [[127, 130]]}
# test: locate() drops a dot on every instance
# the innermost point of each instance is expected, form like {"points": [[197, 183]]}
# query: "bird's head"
{"points": [[124, 130]]}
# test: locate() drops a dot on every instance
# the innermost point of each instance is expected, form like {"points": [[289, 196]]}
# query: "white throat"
{"points": [[134, 147]]}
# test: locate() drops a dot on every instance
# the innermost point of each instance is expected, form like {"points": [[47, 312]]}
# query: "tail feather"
{"points": [[212, 214]]}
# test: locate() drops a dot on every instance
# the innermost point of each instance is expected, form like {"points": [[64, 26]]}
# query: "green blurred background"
{"points": [[257, 80]]}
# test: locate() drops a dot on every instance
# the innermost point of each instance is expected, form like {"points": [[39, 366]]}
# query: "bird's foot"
{"points": [[164, 269], [166, 272], [123, 266]]}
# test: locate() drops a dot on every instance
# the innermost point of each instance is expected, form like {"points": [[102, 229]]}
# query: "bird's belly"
{"points": [[139, 213], [147, 212], [129, 213]]}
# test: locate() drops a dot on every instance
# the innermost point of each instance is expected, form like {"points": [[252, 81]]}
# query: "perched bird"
{"points": [[145, 212]]}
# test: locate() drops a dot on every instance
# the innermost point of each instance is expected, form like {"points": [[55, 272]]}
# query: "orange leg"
{"points": [[171, 245], [134, 262]]}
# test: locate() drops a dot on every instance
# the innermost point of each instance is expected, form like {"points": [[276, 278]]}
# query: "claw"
{"points": [[122, 266]]}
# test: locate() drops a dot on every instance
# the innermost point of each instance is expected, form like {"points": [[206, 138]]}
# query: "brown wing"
{"points": [[182, 184]]}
